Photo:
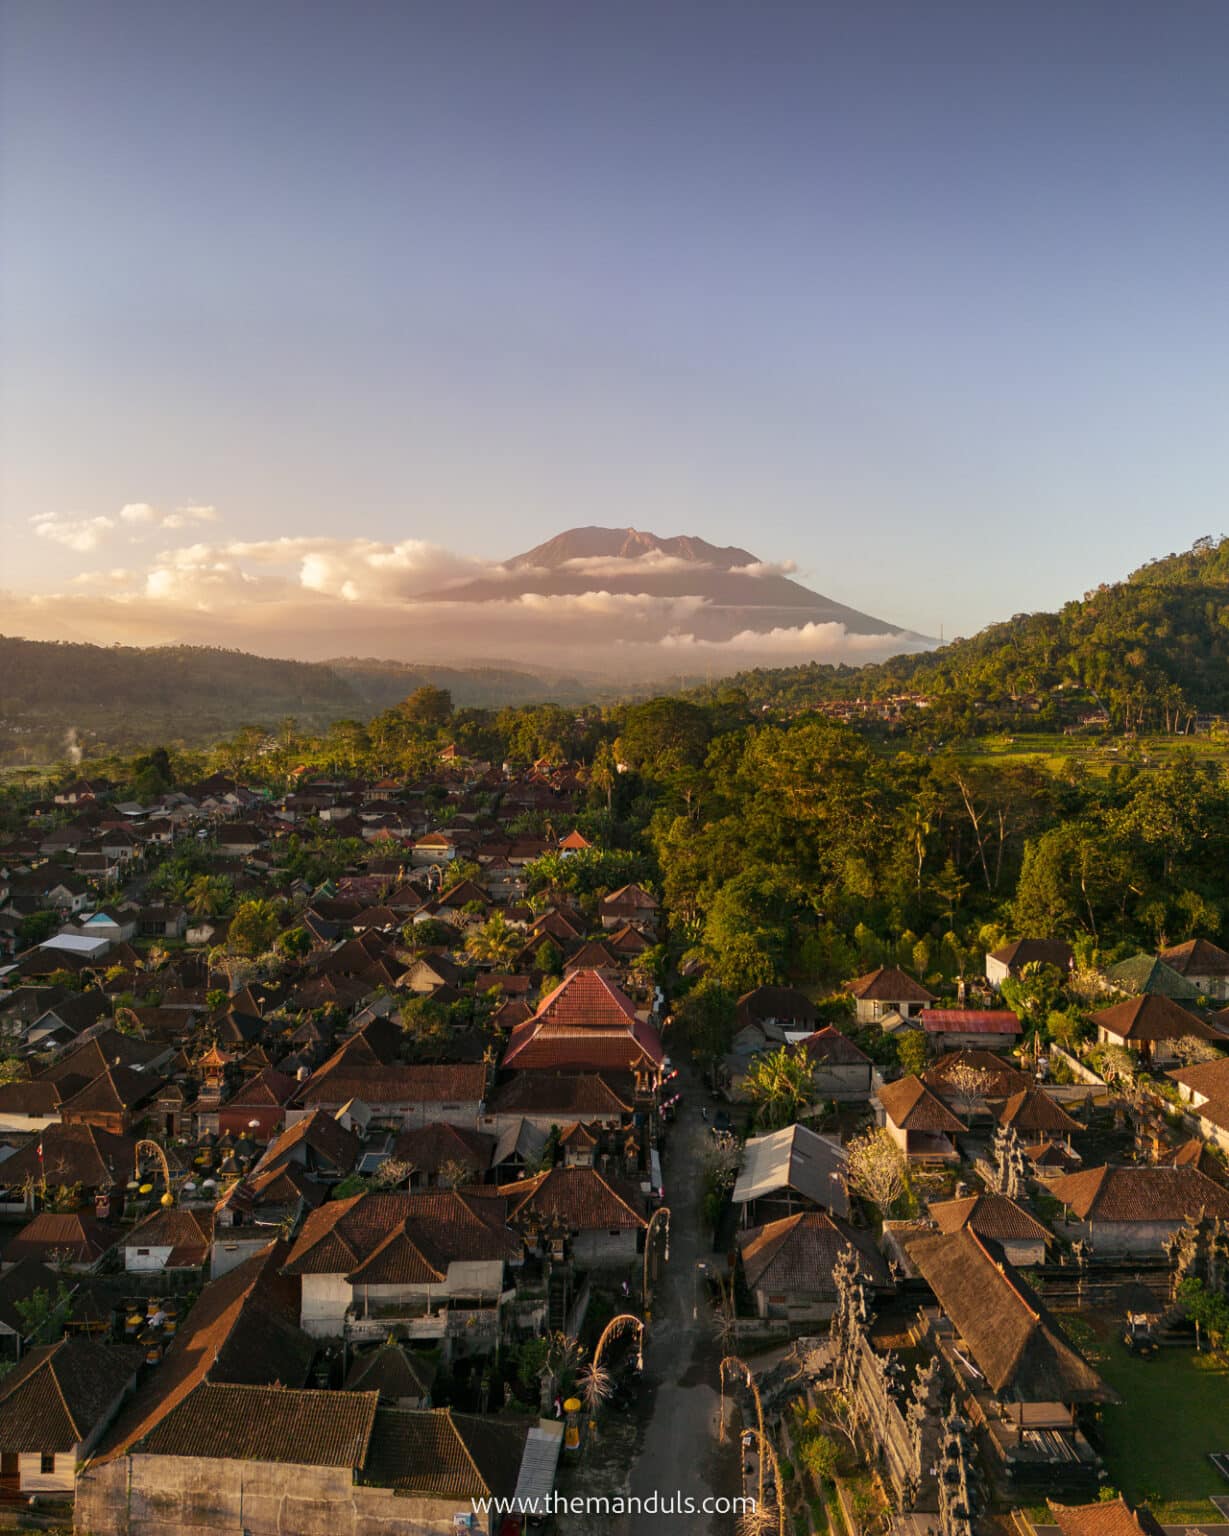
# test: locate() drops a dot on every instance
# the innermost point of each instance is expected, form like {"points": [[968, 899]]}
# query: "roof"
{"points": [[71, 1233], [418, 1083], [888, 985], [990, 1215], [586, 1022], [589, 1000], [1022, 952], [437, 1453], [794, 1158], [392, 1371], [188, 1234], [58, 1394], [831, 1047], [586, 1199], [1210, 1079], [799, 1254], [412, 1237], [1140, 1194], [571, 1095], [1152, 977], [1152, 1017], [1032, 1110], [1000, 1080], [970, 1021], [1107, 1517], [776, 1003], [20, 1283], [911, 1106], [1197, 957], [227, 1422], [433, 1145], [1013, 1341]]}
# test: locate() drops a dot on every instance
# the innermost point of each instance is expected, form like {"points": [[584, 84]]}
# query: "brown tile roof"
{"points": [[1197, 957], [413, 1235], [438, 1143], [73, 1234], [1113, 1517], [1032, 1110], [586, 1199], [392, 1371], [1140, 1194], [56, 1396], [1013, 1341], [72, 1154], [1023, 952], [268, 1090], [113, 1092], [887, 984], [317, 1131], [567, 1095], [1209, 1078], [586, 1022], [798, 1253], [1152, 1017], [222, 1421], [437, 1453], [449, 1082], [1001, 1077], [188, 1234], [990, 1215], [587, 1000], [830, 1046], [911, 1106]]}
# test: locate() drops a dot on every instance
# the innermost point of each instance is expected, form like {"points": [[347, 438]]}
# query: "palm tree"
{"points": [[208, 895], [496, 943], [780, 1086]]}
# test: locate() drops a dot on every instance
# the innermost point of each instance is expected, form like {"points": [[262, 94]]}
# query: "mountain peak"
{"points": [[629, 544]]}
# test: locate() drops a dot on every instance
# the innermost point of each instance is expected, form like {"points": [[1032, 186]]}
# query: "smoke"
{"points": [[71, 745]]}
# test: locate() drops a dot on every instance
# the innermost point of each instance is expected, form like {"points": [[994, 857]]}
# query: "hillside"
{"points": [[121, 697], [1151, 651]]}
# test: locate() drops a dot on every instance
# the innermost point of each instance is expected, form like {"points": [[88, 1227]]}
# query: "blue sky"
{"points": [[929, 298]]}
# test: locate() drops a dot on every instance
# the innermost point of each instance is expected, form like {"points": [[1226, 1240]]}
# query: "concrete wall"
{"points": [[602, 1250], [34, 1480], [1130, 1237], [844, 1081], [323, 1305], [184, 1496]]}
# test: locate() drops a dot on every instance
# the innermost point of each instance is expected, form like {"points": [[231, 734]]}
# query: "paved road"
{"points": [[670, 1446]]}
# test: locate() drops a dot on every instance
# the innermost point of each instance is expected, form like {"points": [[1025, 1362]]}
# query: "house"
{"points": [[1134, 1210], [439, 1147], [374, 1259], [1014, 1370], [258, 1108], [1204, 1086], [586, 1024], [839, 1069], [1204, 964], [170, 1238], [401, 1377], [399, 1096], [71, 1239], [1150, 1025], [1011, 959], [784, 1008], [886, 993], [116, 927], [629, 904], [545, 1099], [54, 1405], [1035, 1117], [788, 1264], [971, 1078], [1146, 976], [599, 1218], [918, 1121], [1002, 1224], [954, 1029], [790, 1170]]}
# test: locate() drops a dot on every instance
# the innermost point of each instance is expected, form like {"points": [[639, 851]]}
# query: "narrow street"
{"points": [[670, 1445]]}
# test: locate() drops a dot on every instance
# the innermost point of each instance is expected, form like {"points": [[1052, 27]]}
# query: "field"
{"points": [[1174, 1412], [1095, 754]]}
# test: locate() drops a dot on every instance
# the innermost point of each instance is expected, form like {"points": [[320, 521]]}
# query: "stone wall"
{"points": [[186, 1496]]}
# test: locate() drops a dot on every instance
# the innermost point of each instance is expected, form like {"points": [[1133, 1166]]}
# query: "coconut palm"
{"points": [[496, 943]]}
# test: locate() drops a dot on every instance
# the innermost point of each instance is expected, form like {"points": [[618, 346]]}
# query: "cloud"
{"points": [[802, 641], [80, 534], [142, 515]]}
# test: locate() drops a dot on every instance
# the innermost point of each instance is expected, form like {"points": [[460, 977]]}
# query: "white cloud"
{"points": [[80, 534], [141, 514]]}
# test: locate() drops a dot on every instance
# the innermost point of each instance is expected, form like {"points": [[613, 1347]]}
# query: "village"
{"points": [[357, 1171]]}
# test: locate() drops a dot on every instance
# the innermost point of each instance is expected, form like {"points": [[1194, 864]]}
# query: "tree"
{"points": [[705, 1018], [428, 705], [969, 1085], [496, 943], [911, 1051], [1207, 1309], [1032, 996], [779, 1084], [253, 927], [876, 1169], [208, 895], [42, 1311]]}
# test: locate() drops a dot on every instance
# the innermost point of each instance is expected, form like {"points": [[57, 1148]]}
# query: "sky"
{"points": [[927, 299]]}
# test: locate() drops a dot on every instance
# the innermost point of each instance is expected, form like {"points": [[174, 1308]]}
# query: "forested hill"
{"points": [[1152, 651], [120, 697]]}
